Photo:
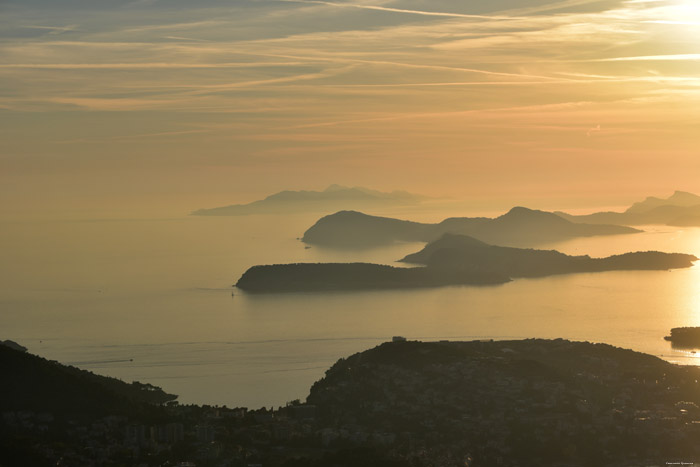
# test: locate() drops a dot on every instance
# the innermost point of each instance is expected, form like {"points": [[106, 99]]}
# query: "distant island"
{"points": [[332, 198], [518, 227], [532, 402], [451, 260], [682, 209]]}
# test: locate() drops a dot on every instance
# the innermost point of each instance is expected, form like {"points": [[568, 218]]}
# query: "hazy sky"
{"points": [[126, 104]]}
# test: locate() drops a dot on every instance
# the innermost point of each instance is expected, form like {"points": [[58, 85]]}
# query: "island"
{"points": [[405, 403], [682, 209], [451, 260], [518, 227], [314, 277], [332, 198], [685, 337], [463, 253]]}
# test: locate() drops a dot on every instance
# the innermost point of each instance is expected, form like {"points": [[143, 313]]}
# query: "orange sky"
{"points": [[132, 105]]}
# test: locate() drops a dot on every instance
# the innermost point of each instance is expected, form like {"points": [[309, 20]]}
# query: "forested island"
{"points": [[451, 260], [303, 277], [518, 227], [528, 402]]}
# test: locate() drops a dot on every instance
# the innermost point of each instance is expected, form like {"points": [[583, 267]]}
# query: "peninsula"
{"points": [[451, 260], [518, 227]]}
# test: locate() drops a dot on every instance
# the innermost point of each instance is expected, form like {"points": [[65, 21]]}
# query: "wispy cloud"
{"points": [[674, 58], [307, 74], [177, 26], [53, 29], [399, 10], [548, 7], [142, 66]]}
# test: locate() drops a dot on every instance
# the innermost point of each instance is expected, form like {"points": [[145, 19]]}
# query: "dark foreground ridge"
{"points": [[452, 260], [435, 404], [531, 402], [518, 227], [36, 384], [45, 406]]}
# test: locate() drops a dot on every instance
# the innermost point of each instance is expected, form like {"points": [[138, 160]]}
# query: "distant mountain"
{"points": [[680, 209], [467, 254], [332, 198], [451, 260], [520, 226], [31, 383], [679, 198]]}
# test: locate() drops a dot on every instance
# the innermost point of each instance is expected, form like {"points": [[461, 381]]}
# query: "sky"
{"points": [[171, 104]]}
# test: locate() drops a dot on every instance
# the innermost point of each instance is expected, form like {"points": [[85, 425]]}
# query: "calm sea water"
{"points": [[150, 300]]}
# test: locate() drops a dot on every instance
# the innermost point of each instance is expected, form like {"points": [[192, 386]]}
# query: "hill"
{"points": [[681, 209], [513, 403], [462, 253], [34, 384], [518, 227], [332, 198]]}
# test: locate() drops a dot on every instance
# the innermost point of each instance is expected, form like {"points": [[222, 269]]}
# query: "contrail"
{"points": [[401, 10]]}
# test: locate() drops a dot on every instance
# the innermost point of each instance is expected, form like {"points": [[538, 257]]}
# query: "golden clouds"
{"points": [[316, 84]]}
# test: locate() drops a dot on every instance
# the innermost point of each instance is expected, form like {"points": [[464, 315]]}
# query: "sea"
{"points": [[151, 300]]}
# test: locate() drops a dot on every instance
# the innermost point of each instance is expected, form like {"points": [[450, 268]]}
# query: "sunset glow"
{"points": [[350, 233], [455, 99]]}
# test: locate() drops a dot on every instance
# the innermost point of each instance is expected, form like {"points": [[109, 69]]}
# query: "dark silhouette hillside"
{"points": [[31, 383], [515, 403]]}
